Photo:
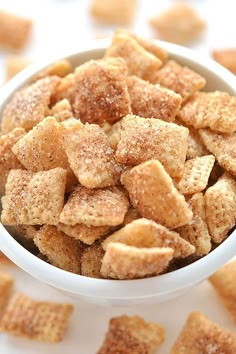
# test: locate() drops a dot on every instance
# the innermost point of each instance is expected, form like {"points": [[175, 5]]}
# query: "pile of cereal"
{"points": [[122, 168]]}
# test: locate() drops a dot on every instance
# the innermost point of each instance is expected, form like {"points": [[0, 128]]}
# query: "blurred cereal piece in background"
{"points": [[178, 24], [6, 284], [226, 57], [14, 64], [4, 260]]}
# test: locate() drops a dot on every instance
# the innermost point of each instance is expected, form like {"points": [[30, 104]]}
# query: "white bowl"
{"points": [[123, 292]]}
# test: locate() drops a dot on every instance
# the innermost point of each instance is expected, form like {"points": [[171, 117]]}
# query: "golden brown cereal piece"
{"points": [[220, 200], [196, 232], [145, 233], [66, 88], [179, 24], [152, 101], [61, 250], [91, 261], [153, 193], [132, 334], [226, 57], [14, 31], [8, 160], [100, 92], [113, 11], [200, 335], [139, 61], [216, 110], [131, 215], [30, 105], [62, 110], [96, 207], [179, 79], [196, 174], [6, 284], [143, 139], [90, 156], [224, 283], [38, 320], [24, 234], [60, 68], [128, 262], [223, 147], [114, 135], [14, 64], [196, 148]]}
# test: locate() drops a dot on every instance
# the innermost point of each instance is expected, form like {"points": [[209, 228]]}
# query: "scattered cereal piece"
{"points": [[6, 284], [5, 260], [62, 110], [226, 57], [38, 320], [14, 31], [24, 234], [179, 24], [196, 232], [152, 101], [196, 148], [114, 135], [180, 79], [142, 139], [200, 335], [30, 105], [131, 215], [14, 64], [60, 68], [196, 174], [96, 207], [216, 110], [61, 250], [131, 334], [153, 193], [91, 261], [128, 262]]}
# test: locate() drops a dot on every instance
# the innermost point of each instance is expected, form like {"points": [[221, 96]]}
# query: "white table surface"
{"points": [[62, 25]]}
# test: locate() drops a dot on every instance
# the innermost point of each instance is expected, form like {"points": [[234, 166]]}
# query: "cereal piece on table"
{"points": [[90, 155], [146, 234], [196, 148], [14, 64], [91, 261], [226, 57], [131, 215], [8, 160], [220, 201], [114, 135], [6, 284], [179, 79], [224, 283], [60, 68], [24, 234], [5, 260], [132, 334], [200, 335], [152, 101], [61, 251], [30, 105], [128, 262], [139, 61], [216, 110], [14, 31], [37, 320], [143, 139], [62, 110], [196, 174], [96, 207], [179, 24], [153, 193], [113, 11], [196, 232]]}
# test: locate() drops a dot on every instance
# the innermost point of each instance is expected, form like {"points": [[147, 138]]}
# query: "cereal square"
{"points": [[226, 57], [91, 261], [196, 148], [6, 284], [14, 64], [62, 110], [60, 68]]}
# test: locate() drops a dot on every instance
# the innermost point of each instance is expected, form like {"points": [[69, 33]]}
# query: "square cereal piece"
{"points": [[14, 64], [180, 24], [128, 262], [99, 91], [196, 148], [196, 174], [113, 11], [37, 320], [139, 61], [61, 251], [6, 284], [200, 335], [152, 192], [14, 31], [196, 232], [95, 207], [152, 101], [30, 105], [90, 155], [132, 334], [220, 201], [226, 57], [91, 261], [179, 79], [216, 110], [224, 283], [62, 110], [223, 147], [60, 68], [145, 233], [143, 139], [8, 160]]}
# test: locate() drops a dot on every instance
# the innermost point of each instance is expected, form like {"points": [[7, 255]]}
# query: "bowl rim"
{"points": [[105, 288]]}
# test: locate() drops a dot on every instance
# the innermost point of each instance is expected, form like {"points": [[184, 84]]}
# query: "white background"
{"points": [[62, 25]]}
